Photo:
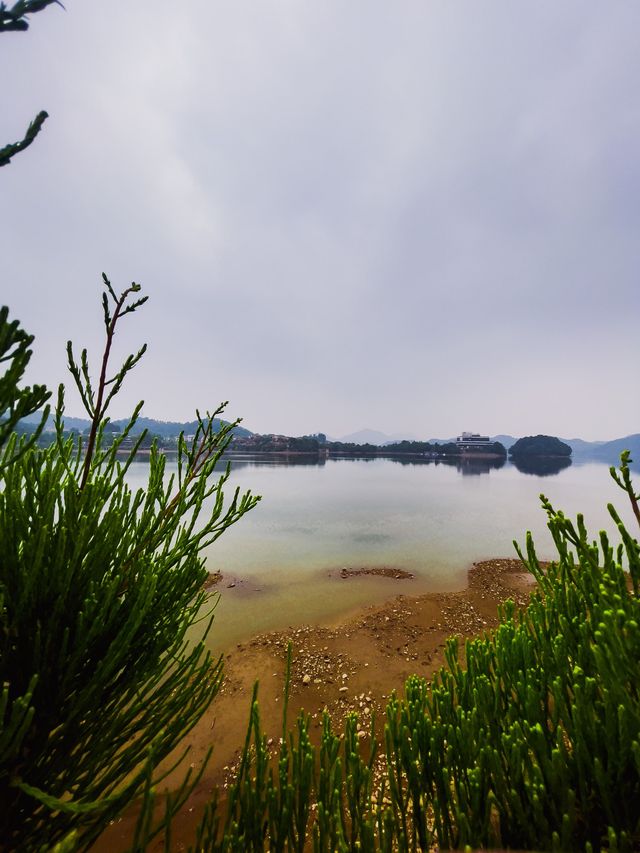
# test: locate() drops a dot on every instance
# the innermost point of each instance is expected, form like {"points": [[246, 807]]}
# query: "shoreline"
{"points": [[353, 664]]}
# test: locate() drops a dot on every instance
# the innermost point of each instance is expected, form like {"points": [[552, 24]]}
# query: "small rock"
{"points": [[306, 679]]}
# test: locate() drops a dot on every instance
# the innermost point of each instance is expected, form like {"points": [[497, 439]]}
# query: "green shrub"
{"points": [[101, 589], [533, 744]]}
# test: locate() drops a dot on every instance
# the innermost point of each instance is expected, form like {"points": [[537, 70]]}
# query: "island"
{"points": [[540, 446]]}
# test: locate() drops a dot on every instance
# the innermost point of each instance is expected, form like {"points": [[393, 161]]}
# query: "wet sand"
{"points": [[350, 666]]}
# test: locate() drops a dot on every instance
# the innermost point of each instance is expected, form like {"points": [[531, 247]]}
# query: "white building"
{"points": [[472, 441]]}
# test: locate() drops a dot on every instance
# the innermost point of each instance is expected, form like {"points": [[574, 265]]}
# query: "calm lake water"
{"points": [[431, 519]]}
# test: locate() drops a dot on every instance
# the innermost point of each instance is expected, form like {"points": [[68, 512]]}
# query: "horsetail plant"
{"points": [[103, 617], [17, 403], [532, 742], [527, 738]]}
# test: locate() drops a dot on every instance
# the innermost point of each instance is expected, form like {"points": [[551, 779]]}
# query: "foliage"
{"points": [[102, 613], [533, 744], [418, 447], [275, 444], [15, 19], [498, 448], [16, 402], [349, 448], [539, 445], [171, 429], [13, 148]]}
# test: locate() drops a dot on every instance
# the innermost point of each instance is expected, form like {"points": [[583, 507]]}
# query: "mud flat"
{"points": [[350, 666]]}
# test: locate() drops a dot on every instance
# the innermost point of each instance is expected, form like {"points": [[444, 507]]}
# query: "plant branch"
{"points": [[99, 409], [14, 148], [15, 18]]}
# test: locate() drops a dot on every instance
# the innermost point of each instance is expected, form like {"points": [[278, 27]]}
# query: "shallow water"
{"points": [[433, 520]]}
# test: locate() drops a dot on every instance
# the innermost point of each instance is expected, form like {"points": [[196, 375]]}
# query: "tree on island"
{"points": [[540, 445]]}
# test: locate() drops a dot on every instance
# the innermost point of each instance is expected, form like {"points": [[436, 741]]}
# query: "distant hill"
{"points": [[583, 451], [163, 428], [603, 451], [607, 451], [539, 445], [374, 436], [578, 445], [169, 428], [599, 451], [507, 440]]}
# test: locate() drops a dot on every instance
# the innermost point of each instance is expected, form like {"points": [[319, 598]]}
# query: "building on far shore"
{"points": [[473, 441]]}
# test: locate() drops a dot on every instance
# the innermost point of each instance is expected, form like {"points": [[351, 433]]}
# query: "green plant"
{"points": [[16, 19], [533, 743], [103, 617], [17, 402]]}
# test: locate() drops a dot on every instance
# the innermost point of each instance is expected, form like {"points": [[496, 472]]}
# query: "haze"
{"points": [[417, 217]]}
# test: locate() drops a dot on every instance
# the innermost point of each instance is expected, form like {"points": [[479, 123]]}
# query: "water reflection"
{"points": [[431, 518], [239, 461], [464, 464], [412, 460], [469, 466], [542, 466], [367, 457]]}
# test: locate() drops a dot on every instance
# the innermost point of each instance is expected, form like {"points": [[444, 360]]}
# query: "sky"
{"points": [[416, 217]]}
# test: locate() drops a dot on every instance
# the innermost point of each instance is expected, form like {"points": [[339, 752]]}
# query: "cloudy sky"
{"points": [[418, 217]]}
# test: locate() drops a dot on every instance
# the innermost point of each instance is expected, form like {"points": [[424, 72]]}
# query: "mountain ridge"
{"points": [[154, 426], [582, 450]]}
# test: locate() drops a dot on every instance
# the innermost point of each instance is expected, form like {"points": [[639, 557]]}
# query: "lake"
{"points": [[431, 519]]}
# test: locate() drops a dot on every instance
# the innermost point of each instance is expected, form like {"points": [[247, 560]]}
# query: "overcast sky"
{"points": [[418, 217]]}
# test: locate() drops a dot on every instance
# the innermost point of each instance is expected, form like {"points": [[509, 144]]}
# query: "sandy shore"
{"points": [[344, 667]]}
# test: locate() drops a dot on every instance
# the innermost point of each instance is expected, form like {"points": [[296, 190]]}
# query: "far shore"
{"points": [[351, 665], [329, 454]]}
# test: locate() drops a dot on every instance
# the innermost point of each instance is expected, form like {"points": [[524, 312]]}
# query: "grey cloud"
{"points": [[345, 214]]}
